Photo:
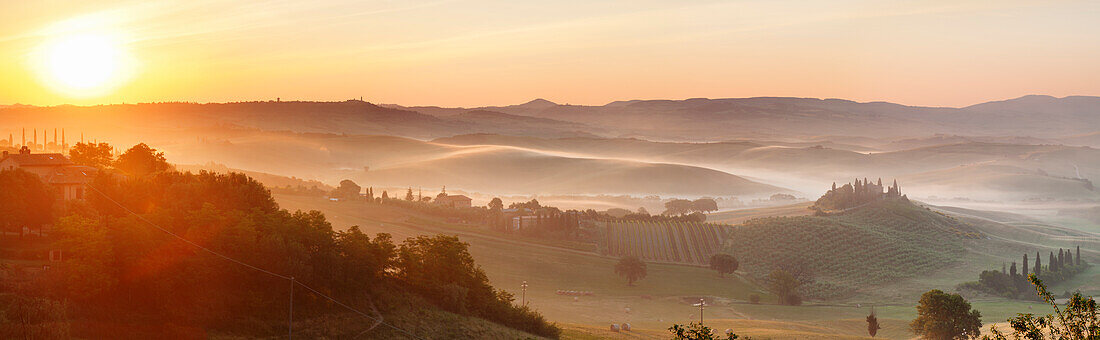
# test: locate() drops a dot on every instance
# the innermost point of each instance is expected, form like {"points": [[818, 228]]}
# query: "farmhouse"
{"points": [[57, 171], [454, 201]]}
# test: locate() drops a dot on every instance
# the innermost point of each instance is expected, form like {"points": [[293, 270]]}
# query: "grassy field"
{"points": [[664, 297]]}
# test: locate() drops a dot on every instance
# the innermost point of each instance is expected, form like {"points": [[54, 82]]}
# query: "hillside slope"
{"points": [[882, 241]]}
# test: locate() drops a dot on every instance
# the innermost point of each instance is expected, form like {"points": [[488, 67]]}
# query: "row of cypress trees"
{"points": [[1055, 263]]}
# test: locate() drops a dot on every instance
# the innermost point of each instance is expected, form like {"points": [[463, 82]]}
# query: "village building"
{"points": [[454, 201], [67, 179]]}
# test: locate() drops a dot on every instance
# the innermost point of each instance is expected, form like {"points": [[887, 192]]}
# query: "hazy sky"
{"points": [[471, 53]]}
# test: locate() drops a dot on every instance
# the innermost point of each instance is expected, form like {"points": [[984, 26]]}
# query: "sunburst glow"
{"points": [[83, 64]]}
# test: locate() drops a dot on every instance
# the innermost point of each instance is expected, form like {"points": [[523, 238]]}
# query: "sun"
{"points": [[83, 64]]}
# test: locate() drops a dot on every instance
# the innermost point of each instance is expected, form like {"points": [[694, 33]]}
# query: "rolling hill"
{"points": [[873, 244], [979, 170], [506, 170]]}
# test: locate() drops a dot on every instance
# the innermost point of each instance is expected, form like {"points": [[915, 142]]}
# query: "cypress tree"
{"points": [[1003, 269], [1069, 258], [1038, 264], [1061, 259], [1050, 262], [1012, 270], [1025, 265], [1078, 256]]}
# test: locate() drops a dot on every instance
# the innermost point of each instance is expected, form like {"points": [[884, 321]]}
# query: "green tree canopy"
{"points": [[90, 154], [724, 264], [141, 160], [24, 200], [696, 331], [678, 207], [347, 190], [704, 205], [785, 286], [632, 268], [946, 316]]}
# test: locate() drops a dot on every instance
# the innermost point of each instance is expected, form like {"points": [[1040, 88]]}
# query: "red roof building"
{"points": [[54, 169]]}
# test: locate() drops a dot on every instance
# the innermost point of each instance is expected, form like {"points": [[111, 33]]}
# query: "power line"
{"points": [[290, 278], [184, 239]]}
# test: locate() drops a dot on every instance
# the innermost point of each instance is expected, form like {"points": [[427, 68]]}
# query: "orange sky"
{"points": [[473, 53]]}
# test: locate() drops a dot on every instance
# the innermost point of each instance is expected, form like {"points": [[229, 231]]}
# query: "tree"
{"points": [[695, 331], [1078, 256], [141, 160], [1012, 270], [677, 207], [1038, 264], [24, 201], [347, 190], [364, 261], [872, 324], [643, 211], [785, 286], [496, 204], [1025, 266], [1077, 322], [617, 212], [385, 195], [946, 316], [409, 195], [632, 268], [94, 155], [723, 264], [704, 205], [1051, 264]]}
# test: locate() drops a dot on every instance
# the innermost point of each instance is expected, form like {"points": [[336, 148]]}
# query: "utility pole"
{"points": [[524, 296], [701, 304], [290, 317]]}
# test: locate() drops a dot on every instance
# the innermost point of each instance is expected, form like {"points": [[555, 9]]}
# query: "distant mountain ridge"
{"points": [[696, 119], [703, 119]]}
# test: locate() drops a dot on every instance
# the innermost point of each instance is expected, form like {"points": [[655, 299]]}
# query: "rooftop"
{"points": [[38, 159]]}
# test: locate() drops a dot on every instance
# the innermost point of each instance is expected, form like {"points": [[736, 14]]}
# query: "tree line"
{"points": [[1011, 281], [123, 277]]}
